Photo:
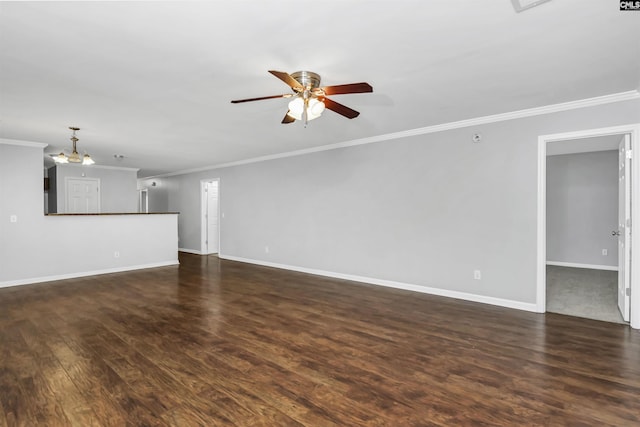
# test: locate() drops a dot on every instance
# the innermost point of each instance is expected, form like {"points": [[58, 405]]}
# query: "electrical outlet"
{"points": [[266, 249], [477, 274], [605, 252], [116, 254], [13, 218]]}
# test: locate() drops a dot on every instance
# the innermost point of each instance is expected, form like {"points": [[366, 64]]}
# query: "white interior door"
{"points": [[624, 226], [82, 195], [212, 217]]}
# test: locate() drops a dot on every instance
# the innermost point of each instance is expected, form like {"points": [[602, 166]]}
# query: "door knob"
{"points": [[615, 233]]}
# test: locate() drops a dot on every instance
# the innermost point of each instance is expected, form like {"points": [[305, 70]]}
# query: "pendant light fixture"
{"points": [[74, 157]]}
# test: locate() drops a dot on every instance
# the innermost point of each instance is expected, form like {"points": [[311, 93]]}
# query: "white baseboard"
{"points": [[392, 284], [190, 251], [578, 265], [32, 280]]}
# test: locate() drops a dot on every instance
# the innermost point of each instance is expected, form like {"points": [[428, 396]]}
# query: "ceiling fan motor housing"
{"points": [[309, 80]]}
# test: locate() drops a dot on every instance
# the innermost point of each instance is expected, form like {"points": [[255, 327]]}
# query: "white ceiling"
{"points": [[153, 80]]}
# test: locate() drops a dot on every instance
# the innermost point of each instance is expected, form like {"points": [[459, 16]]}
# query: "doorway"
{"points": [[630, 262], [210, 224], [82, 195], [143, 201], [582, 211]]}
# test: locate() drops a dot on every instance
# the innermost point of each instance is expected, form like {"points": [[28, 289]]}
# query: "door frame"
{"points": [[541, 289], [203, 212], [81, 178], [624, 229]]}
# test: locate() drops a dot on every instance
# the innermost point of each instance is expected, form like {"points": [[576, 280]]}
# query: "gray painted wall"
{"points": [[425, 210], [157, 193], [582, 208], [36, 247], [118, 187]]}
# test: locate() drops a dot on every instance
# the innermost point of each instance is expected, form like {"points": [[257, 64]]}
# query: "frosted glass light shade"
{"points": [[61, 158], [87, 160], [314, 108], [296, 107], [75, 157]]}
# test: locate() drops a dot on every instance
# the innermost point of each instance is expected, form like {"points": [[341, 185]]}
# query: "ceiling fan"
{"points": [[309, 99]]}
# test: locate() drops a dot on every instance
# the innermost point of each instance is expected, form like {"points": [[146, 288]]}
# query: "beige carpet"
{"points": [[582, 292]]}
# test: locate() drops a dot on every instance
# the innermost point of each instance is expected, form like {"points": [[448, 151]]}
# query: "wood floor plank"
{"points": [[108, 396], [29, 381], [352, 365], [349, 408], [3, 418], [17, 407], [192, 382], [76, 408], [213, 342]]}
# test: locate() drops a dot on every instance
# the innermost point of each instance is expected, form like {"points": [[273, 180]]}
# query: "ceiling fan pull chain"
{"points": [[306, 107]]}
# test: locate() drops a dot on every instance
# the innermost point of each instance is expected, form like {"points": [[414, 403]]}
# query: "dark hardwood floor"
{"points": [[224, 343]]}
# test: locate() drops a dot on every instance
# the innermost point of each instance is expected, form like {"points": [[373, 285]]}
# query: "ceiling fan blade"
{"points": [[348, 88], [285, 77], [340, 109], [237, 101], [287, 119]]}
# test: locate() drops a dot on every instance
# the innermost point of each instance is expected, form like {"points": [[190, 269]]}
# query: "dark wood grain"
{"points": [[213, 342]]}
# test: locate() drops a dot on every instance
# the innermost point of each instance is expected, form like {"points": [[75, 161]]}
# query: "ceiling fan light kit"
{"points": [[297, 107], [309, 99], [74, 157]]}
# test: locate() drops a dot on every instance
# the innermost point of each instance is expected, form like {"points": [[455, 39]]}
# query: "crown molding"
{"points": [[519, 114], [22, 143], [94, 166]]}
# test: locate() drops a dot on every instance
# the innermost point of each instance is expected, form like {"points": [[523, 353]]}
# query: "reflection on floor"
{"points": [[582, 292]]}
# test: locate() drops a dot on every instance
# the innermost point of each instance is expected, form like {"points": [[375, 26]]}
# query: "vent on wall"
{"points": [[520, 5]]}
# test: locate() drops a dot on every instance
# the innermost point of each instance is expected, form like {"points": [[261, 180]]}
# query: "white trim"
{"points": [[203, 212], [518, 305], [22, 143], [204, 250], [190, 251], [143, 202], [80, 165], [606, 131], [541, 282], [519, 114], [578, 265], [634, 279], [32, 280], [541, 238]]}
